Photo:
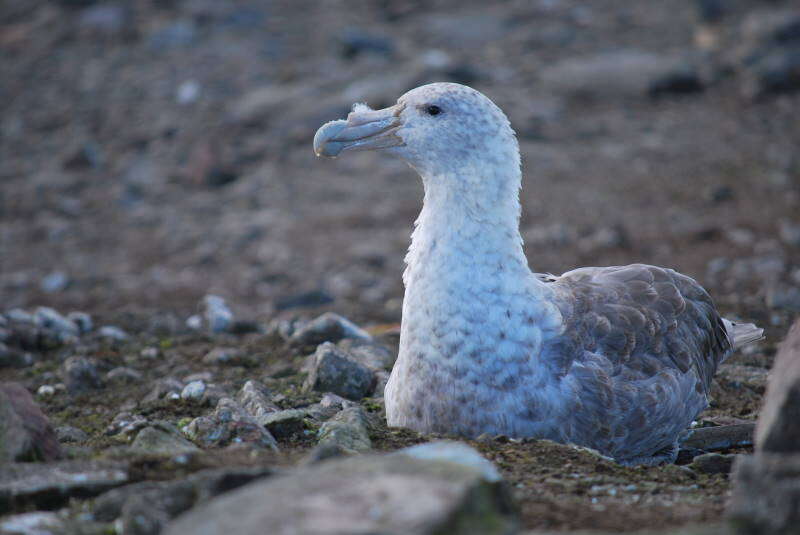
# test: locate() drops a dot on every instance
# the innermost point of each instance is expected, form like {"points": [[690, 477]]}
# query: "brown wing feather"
{"points": [[644, 318]]}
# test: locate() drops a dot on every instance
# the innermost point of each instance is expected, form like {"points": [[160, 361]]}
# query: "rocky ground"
{"points": [[156, 153]]}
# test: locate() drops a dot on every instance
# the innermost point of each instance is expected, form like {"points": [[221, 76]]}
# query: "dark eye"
{"points": [[433, 110]]}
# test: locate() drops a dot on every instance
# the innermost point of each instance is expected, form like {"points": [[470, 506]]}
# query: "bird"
{"points": [[618, 359]]}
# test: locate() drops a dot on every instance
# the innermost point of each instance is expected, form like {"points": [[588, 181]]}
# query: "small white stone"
{"points": [[46, 391], [149, 353], [194, 322], [188, 92], [193, 391]]}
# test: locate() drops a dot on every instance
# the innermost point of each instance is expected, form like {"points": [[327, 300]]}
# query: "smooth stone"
{"points": [[364, 494]]}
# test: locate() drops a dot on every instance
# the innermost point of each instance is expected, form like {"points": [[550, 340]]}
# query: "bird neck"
{"points": [[468, 227]]}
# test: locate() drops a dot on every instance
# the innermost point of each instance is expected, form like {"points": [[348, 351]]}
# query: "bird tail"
{"points": [[741, 334]]}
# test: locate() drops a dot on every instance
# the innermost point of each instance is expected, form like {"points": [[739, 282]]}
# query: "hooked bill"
{"points": [[322, 145]]}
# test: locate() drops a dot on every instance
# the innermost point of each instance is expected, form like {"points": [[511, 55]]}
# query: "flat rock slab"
{"points": [[386, 494], [779, 424], [721, 437], [50, 485], [766, 493]]}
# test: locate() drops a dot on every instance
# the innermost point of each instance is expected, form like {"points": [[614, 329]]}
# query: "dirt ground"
{"points": [[154, 152]]}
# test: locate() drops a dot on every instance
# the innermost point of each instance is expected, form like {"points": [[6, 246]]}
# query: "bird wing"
{"points": [[644, 319], [639, 348]]}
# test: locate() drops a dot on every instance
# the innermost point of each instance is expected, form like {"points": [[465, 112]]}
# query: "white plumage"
{"points": [[619, 359]]}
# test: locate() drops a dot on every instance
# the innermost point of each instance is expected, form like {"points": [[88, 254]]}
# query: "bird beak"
{"points": [[364, 129]]}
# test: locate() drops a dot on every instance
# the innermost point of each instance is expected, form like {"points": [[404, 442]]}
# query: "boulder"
{"points": [[363, 494], [766, 493], [25, 432], [778, 428]]}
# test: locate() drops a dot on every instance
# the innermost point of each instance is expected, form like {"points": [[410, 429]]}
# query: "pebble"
{"points": [[333, 370], [347, 431], [228, 424], [46, 391], [48, 318], [149, 353], [110, 332], [82, 320], [218, 316], [713, 463], [355, 42], [286, 423], [54, 282], [256, 399], [790, 233], [193, 391], [783, 297], [328, 327], [124, 376], [223, 356], [68, 433], [80, 375], [162, 439]]}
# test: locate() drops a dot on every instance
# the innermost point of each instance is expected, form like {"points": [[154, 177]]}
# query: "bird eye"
{"points": [[433, 110]]}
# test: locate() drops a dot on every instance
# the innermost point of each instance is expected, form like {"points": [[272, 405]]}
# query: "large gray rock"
{"points": [[333, 370], [766, 494], [778, 428], [25, 432], [387, 494], [49, 485]]}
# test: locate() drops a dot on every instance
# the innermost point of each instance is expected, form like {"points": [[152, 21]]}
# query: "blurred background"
{"points": [[152, 152]]}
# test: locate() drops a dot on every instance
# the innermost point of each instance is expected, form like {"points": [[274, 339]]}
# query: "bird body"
{"points": [[619, 359]]}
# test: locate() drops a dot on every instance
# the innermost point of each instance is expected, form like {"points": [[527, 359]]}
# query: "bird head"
{"points": [[438, 129]]}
